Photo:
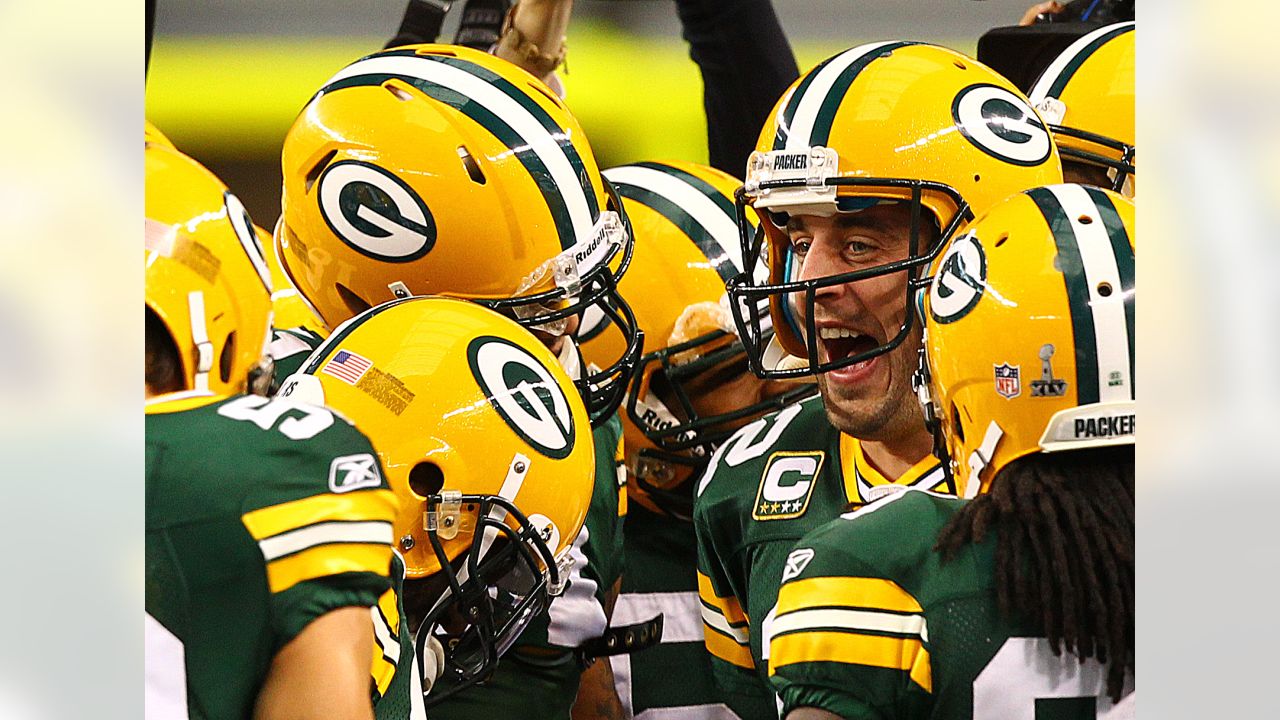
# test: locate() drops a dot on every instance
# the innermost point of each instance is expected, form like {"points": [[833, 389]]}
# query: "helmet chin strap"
{"points": [[200, 337], [570, 359], [980, 458]]}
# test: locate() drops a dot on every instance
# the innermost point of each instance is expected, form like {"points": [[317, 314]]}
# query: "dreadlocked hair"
{"points": [[1064, 550]]}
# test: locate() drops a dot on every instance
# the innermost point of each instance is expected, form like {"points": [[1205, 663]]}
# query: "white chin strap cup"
{"points": [[200, 338]]}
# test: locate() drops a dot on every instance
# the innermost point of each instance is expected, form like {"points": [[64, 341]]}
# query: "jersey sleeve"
{"points": [[845, 638], [323, 523], [726, 630]]}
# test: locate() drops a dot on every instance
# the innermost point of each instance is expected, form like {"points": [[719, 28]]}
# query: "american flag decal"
{"points": [[347, 367]]}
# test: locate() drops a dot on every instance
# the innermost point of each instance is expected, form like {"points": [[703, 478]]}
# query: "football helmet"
{"points": [[886, 122], [440, 170], [288, 306], [488, 448], [206, 277], [686, 248], [1087, 97], [1029, 332]]}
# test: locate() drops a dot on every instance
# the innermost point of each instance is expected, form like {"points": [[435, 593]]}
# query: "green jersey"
{"points": [[289, 350], [768, 485], [538, 677], [871, 623], [673, 677], [261, 516]]}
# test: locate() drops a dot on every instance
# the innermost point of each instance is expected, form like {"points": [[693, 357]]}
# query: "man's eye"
{"points": [[800, 246], [857, 247]]}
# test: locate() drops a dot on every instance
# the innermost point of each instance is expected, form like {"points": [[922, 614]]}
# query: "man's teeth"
{"points": [[835, 333]]}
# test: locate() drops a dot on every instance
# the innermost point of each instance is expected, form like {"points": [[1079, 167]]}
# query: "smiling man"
{"points": [[865, 167]]}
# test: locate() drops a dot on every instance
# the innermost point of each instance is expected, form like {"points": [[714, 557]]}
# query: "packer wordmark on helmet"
{"points": [[375, 212], [524, 393]]}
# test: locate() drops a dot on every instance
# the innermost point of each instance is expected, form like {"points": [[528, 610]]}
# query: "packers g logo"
{"points": [[243, 227], [1001, 124], [961, 278], [786, 485], [524, 393], [375, 212]]}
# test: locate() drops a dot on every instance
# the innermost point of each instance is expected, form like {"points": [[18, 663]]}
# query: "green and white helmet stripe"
{"points": [[805, 120], [705, 215], [1097, 265], [537, 141], [1054, 79]]}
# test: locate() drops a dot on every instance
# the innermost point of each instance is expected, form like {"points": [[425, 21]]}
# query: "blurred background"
{"points": [[228, 76]]}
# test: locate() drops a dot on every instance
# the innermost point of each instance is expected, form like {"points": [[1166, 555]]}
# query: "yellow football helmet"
{"points": [[686, 249], [153, 135], [488, 448], [1087, 97], [288, 307], [880, 123], [1029, 336], [206, 278], [440, 170]]}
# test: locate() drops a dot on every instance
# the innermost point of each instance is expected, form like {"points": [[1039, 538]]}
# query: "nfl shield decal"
{"points": [[1008, 380]]}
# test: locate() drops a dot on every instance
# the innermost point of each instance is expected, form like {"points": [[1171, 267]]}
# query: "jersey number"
{"points": [[1026, 681], [266, 412]]}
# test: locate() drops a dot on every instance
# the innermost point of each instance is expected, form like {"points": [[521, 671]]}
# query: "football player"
{"points": [[489, 449], [1020, 602], [268, 523], [691, 390], [866, 165], [1087, 97], [442, 170]]}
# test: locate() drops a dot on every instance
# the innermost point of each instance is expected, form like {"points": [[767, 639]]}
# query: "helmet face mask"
{"points": [[886, 122], [795, 300], [504, 580]]}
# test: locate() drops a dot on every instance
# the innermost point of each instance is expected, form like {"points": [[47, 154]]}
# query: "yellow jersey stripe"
{"points": [[856, 592], [726, 606], [369, 505], [906, 654], [180, 401], [727, 649], [325, 560]]}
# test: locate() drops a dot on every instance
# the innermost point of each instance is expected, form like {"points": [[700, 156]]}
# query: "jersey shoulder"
{"points": [[738, 464], [890, 538], [248, 452]]}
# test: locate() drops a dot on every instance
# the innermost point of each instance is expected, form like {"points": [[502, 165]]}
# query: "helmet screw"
{"points": [[519, 467], [407, 542], [473, 613], [449, 520]]}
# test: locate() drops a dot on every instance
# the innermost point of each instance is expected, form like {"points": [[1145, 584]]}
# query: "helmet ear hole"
{"points": [[228, 357], [426, 479]]}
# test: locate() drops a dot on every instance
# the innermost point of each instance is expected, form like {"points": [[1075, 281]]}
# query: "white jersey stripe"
{"points": [[859, 620], [528, 127], [716, 621], [806, 115], [721, 227], [1110, 325], [681, 613], [288, 543], [387, 640], [577, 616]]}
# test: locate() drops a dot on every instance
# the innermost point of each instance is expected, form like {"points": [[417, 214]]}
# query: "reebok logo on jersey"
{"points": [[797, 561], [353, 472], [786, 485]]}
